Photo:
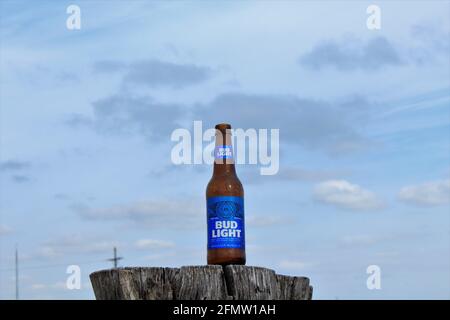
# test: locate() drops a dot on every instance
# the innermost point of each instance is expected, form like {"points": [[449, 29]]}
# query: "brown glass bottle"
{"points": [[225, 205]]}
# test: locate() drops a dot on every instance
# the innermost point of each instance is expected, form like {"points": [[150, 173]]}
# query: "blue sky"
{"points": [[86, 117]]}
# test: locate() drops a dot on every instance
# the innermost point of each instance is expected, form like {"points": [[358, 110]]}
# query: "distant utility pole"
{"points": [[116, 258], [17, 273]]}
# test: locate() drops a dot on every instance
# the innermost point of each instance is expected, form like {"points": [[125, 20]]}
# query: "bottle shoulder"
{"points": [[224, 185]]}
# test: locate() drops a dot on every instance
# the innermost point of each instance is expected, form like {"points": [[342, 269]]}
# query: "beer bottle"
{"points": [[225, 205]]}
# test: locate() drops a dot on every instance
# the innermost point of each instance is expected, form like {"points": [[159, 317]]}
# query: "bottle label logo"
{"points": [[223, 152], [226, 222]]}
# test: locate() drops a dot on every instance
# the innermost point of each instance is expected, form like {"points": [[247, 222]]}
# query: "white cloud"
{"points": [[360, 239], [4, 230], [38, 286], [160, 256], [293, 264], [265, 221], [158, 213], [74, 244], [290, 173], [47, 252], [374, 239], [60, 285], [345, 195], [431, 193], [22, 277], [153, 244]]}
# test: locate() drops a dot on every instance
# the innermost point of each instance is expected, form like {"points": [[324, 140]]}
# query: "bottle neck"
{"points": [[223, 154], [222, 169]]}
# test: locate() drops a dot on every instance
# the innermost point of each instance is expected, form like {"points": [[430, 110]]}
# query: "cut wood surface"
{"points": [[232, 282]]}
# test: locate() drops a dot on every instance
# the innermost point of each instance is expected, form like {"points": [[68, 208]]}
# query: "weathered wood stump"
{"points": [[233, 282]]}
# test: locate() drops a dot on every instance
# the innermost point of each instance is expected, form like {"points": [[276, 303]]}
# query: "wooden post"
{"points": [[233, 282]]}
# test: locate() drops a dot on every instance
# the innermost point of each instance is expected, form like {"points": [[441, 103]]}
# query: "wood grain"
{"points": [[232, 282]]}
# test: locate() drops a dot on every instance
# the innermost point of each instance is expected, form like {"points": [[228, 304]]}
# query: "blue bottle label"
{"points": [[226, 222], [223, 152]]}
